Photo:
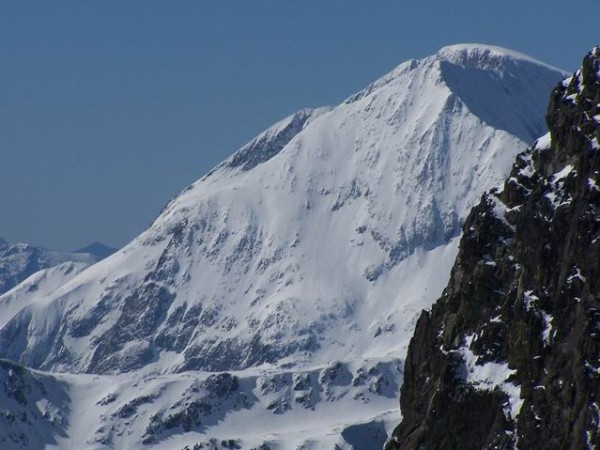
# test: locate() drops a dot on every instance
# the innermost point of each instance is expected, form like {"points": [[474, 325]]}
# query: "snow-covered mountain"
{"points": [[19, 261], [319, 241]]}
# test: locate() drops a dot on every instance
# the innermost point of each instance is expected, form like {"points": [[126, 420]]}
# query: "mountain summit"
{"points": [[306, 243], [508, 356]]}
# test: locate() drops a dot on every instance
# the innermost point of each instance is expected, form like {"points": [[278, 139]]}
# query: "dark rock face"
{"points": [[509, 356]]}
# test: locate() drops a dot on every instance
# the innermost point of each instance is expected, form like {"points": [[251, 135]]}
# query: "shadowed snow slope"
{"points": [[315, 240]]}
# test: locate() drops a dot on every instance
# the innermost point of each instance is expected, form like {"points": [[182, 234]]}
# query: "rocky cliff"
{"points": [[509, 356]]}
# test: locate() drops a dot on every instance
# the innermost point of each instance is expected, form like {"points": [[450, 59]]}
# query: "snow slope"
{"points": [[319, 241], [39, 285], [33, 408], [268, 407]]}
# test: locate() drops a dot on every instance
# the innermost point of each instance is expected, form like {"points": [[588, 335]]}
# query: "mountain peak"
{"points": [[487, 78], [321, 240], [484, 56], [20, 260]]}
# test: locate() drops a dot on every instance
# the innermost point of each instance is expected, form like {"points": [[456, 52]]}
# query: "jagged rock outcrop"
{"points": [[509, 356]]}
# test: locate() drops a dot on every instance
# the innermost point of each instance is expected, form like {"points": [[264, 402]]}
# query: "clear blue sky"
{"points": [[109, 108]]}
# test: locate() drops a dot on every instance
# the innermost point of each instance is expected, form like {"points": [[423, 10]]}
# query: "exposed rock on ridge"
{"points": [[509, 356]]}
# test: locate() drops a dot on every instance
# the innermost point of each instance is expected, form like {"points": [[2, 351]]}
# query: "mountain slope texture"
{"points": [[273, 300], [508, 357]]}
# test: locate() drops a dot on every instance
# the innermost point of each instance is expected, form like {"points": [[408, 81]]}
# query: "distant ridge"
{"points": [[18, 261], [97, 249]]}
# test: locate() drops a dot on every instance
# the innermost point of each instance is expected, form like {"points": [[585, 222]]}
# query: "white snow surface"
{"points": [[544, 142], [321, 240]]}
